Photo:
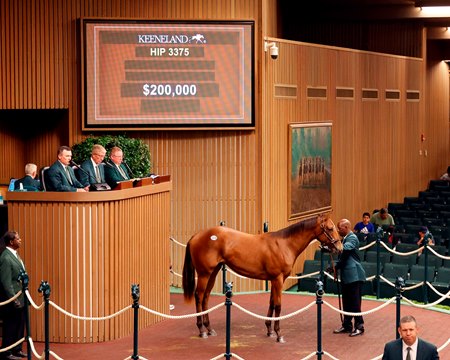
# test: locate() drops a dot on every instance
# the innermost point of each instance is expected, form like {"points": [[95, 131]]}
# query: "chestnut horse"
{"points": [[268, 256]]}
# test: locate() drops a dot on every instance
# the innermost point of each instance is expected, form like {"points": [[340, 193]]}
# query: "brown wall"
{"points": [[239, 177]]}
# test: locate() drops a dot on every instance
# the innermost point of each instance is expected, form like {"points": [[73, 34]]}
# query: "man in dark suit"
{"points": [[13, 312], [115, 170], [60, 176], [95, 173], [28, 182], [409, 346], [352, 280]]}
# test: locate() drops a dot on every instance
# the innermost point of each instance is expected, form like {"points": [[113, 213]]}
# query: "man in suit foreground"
{"points": [[93, 167], [115, 170], [352, 280], [13, 313], [409, 346], [60, 176], [29, 181]]}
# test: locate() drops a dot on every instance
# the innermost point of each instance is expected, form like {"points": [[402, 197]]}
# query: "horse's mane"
{"points": [[295, 228]]}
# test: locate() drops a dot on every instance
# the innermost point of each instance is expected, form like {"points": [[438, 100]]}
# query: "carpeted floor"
{"points": [[178, 339]]}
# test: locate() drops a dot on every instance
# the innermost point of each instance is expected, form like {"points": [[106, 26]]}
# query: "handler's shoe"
{"points": [[357, 332], [342, 330]]}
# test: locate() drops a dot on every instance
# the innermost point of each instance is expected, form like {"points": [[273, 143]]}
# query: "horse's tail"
{"points": [[188, 275]]}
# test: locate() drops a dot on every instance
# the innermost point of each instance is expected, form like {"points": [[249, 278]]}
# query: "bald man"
{"points": [[352, 279]]}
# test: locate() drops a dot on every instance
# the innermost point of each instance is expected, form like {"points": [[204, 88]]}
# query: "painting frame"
{"points": [[310, 169]]}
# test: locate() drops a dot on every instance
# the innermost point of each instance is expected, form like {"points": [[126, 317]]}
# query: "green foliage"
{"points": [[135, 151]]}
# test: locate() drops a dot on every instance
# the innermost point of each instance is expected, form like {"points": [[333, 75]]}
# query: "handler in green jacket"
{"points": [[352, 280]]}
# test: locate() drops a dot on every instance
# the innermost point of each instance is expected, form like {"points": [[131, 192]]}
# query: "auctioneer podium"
{"points": [[91, 247]]}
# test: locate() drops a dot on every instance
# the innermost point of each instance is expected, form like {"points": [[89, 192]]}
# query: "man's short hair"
{"points": [[366, 214], [97, 148], [115, 149], [30, 169], [7, 237], [383, 211], [63, 148], [408, 318]]}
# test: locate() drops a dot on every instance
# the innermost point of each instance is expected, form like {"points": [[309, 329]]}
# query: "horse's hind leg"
{"points": [[199, 296], [209, 286]]}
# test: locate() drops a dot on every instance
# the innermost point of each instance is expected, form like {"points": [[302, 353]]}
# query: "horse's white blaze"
{"points": [[213, 237]]}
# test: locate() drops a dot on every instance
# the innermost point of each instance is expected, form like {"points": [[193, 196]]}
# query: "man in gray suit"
{"points": [[95, 172], [14, 312], [352, 280], [60, 176], [409, 346]]}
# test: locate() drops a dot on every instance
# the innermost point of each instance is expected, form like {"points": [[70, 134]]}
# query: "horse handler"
{"points": [[352, 280]]}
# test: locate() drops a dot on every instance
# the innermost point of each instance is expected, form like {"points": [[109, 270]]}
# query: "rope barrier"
{"points": [[33, 304], [274, 318], [177, 242], [89, 318], [181, 316], [222, 355], [434, 289], [401, 253], [391, 300], [33, 349], [6, 302], [367, 246], [437, 254], [430, 304], [310, 356], [331, 356], [12, 346], [444, 346]]}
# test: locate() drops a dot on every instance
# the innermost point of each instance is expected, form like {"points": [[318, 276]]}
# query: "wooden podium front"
{"points": [[91, 247]]}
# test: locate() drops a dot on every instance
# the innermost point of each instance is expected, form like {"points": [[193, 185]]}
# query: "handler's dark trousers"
{"points": [[351, 301]]}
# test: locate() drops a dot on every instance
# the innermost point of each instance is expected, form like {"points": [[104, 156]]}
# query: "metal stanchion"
{"points": [[266, 229], [399, 284], [135, 293], [23, 277], [44, 288], [228, 304], [319, 302], [379, 237], [426, 240], [224, 269]]}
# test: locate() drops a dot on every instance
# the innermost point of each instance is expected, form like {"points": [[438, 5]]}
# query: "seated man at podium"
{"points": [[60, 176], [94, 168], [28, 182], [115, 170]]}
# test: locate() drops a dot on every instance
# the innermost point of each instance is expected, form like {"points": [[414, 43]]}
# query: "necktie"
{"points": [[122, 172], [408, 355], [68, 176], [97, 174], [23, 265]]}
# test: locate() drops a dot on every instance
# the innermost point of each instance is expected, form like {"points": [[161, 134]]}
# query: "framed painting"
{"points": [[309, 169]]}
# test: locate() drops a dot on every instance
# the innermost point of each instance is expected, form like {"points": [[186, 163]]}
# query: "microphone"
{"points": [[106, 162], [128, 168], [73, 163]]}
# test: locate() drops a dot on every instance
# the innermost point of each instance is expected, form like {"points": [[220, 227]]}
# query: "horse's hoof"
{"points": [[271, 334], [280, 339], [203, 335], [212, 333]]}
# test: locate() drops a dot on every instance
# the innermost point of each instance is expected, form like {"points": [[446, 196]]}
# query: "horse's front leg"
{"points": [[277, 287], [270, 314]]}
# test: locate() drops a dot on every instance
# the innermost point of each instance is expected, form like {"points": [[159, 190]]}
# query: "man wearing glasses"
{"points": [[115, 170], [94, 171]]}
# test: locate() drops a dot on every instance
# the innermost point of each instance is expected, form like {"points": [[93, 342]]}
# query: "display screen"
{"points": [[167, 75]]}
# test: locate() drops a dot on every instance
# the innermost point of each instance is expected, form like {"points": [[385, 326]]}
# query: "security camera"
{"points": [[273, 49], [274, 52]]}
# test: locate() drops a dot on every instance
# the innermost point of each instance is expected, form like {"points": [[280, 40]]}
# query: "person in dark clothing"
{"points": [[13, 313], [409, 346], [352, 278]]}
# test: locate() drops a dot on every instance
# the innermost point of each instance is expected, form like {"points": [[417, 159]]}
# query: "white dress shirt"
{"points": [[412, 352]]}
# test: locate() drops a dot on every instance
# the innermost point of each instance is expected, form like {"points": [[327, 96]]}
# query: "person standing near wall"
{"points": [[14, 312]]}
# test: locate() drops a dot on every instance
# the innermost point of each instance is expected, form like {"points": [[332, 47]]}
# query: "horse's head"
{"points": [[328, 234]]}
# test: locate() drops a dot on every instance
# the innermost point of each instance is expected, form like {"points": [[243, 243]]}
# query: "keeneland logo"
{"points": [[171, 39]]}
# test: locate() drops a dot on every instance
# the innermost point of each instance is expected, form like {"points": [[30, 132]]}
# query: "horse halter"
{"points": [[328, 236]]}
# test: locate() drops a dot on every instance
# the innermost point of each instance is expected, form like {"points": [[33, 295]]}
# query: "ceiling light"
{"points": [[435, 11]]}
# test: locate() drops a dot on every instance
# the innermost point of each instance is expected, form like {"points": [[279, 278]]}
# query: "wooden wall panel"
{"points": [[91, 252]]}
